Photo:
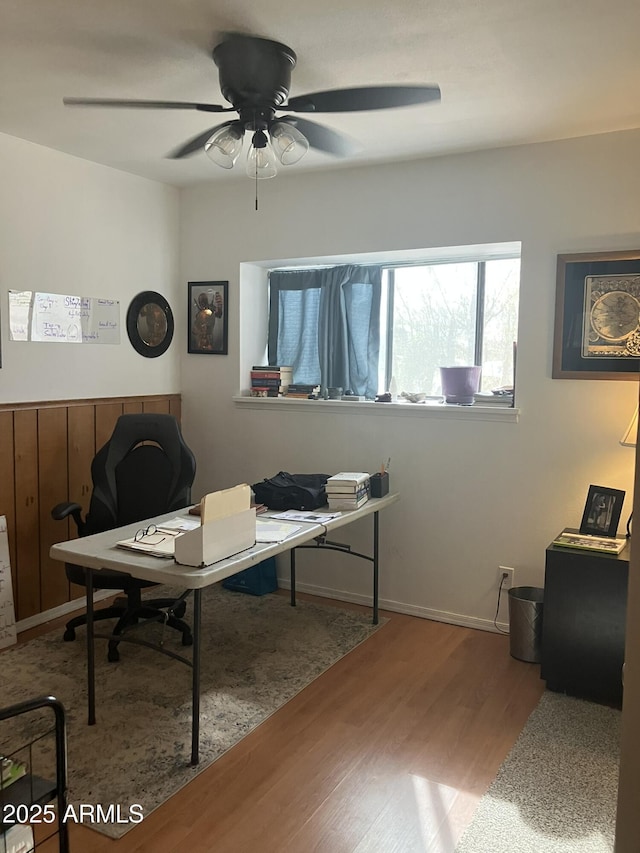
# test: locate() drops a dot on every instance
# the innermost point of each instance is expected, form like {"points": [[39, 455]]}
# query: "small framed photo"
{"points": [[602, 511], [208, 314]]}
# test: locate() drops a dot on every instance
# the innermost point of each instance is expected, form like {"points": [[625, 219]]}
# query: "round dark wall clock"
{"points": [[150, 324]]}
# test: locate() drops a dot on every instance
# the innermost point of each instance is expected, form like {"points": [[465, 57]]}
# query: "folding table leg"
{"points": [[91, 659], [195, 692], [292, 560]]}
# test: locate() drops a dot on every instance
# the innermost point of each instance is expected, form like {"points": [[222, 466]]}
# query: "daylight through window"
{"points": [[440, 315], [371, 328]]}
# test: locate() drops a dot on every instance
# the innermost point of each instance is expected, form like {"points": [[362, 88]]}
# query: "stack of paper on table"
{"points": [[160, 541], [270, 530]]}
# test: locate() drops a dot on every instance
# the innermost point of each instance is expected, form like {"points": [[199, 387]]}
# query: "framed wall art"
{"points": [[602, 511], [597, 324], [150, 324], [208, 315]]}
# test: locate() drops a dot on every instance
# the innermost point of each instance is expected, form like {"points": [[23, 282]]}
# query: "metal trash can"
{"points": [[525, 623]]}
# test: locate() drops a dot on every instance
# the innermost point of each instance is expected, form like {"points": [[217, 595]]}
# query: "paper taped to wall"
{"points": [[59, 318]]}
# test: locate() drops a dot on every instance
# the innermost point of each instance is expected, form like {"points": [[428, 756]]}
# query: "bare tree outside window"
{"points": [[435, 318]]}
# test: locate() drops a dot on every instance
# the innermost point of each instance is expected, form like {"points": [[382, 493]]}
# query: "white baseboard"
{"points": [[61, 610], [311, 589], [398, 607]]}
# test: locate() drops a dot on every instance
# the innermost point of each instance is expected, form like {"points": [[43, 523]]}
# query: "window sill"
{"points": [[503, 414]]}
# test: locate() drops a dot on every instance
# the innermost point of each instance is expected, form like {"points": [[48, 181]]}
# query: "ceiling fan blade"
{"points": [[197, 143], [322, 138], [364, 98], [145, 105]]}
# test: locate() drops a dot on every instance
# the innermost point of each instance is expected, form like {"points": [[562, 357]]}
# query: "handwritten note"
{"points": [[7, 611], [59, 318], [100, 321], [56, 318], [19, 314]]}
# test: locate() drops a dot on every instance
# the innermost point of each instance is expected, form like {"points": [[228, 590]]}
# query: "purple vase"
{"points": [[459, 384]]}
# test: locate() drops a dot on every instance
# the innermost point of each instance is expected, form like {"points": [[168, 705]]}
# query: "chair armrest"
{"points": [[65, 509]]}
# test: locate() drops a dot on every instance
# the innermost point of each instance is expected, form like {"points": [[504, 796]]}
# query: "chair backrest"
{"points": [[133, 480]]}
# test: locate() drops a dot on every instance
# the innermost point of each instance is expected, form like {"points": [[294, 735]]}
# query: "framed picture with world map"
{"points": [[597, 328]]}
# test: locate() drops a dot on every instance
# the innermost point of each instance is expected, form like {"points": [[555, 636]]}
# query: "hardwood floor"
{"points": [[388, 751]]}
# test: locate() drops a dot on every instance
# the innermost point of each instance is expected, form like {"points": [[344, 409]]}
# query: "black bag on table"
{"points": [[292, 491]]}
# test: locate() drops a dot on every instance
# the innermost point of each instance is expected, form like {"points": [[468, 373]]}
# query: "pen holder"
{"points": [[379, 485]]}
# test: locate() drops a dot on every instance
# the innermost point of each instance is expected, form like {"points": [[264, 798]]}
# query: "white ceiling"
{"points": [[510, 71]]}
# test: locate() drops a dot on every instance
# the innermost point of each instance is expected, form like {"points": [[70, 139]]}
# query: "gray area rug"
{"points": [[257, 653], [556, 791]]}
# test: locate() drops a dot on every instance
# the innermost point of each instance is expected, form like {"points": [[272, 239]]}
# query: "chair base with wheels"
{"points": [[130, 609]]}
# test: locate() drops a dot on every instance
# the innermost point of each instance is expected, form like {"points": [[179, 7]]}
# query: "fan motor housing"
{"points": [[254, 71]]}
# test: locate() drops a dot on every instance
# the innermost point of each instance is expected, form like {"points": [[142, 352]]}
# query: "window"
{"points": [[360, 327], [436, 315]]}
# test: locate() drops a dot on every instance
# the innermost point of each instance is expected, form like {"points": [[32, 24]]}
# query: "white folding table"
{"points": [[101, 552]]}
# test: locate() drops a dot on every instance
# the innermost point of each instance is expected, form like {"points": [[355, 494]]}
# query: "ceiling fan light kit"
{"points": [[255, 78], [289, 144], [225, 145], [261, 160]]}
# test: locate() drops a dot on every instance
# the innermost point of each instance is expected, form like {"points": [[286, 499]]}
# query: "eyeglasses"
{"points": [[149, 534]]}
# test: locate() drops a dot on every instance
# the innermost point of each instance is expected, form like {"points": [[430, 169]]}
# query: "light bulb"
{"points": [[261, 161], [288, 143], [225, 145]]}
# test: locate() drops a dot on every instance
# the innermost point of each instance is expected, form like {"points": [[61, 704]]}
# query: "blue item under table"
{"points": [[256, 580]]}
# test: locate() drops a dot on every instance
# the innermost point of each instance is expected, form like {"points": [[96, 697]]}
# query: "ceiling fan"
{"points": [[255, 76]]}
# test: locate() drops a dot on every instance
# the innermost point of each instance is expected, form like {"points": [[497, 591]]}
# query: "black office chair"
{"points": [[133, 481]]}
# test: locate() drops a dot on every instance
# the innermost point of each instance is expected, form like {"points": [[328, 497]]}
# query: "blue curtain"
{"points": [[326, 324]]}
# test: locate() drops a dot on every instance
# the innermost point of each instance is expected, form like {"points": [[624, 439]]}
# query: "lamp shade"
{"points": [[288, 143], [261, 161], [225, 145], [630, 438]]}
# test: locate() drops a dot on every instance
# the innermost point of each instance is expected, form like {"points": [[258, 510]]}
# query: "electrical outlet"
{"points": [[507, 583]]}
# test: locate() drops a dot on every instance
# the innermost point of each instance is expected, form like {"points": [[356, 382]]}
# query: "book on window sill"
{"points": [[504, 400], [270, 376], [588, 542], [273, 368], [271, 393], [302, 388], [267, 381], [277, 389]]}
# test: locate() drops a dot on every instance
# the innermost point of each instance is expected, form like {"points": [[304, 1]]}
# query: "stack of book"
{"points": [[348, 490], [270, 380], [302, 391], [494, 398], [588, 542]]}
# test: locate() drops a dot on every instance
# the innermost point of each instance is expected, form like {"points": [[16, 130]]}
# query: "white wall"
{"points": [[474, 494], [73, 227]]}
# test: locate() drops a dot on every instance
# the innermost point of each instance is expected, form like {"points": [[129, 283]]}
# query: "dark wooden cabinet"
{"points": [[583, 625]]}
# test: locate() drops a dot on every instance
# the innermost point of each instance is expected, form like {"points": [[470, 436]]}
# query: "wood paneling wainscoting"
{"points": [[46, 451]]}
